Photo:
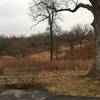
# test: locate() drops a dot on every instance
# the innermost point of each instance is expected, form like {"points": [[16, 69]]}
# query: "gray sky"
{"points": [[14, 18]]}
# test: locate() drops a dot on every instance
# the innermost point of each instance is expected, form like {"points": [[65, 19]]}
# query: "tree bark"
{"points": [[95, 71], [51, 36], [51, 43]]}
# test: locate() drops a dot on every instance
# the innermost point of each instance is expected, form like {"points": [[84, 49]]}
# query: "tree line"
{"points": [[39, 42]]}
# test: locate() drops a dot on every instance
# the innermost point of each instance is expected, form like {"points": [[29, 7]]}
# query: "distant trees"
{"points": [[3, 43], [22, 46], [71, 39], [38, 40], [79, 36], [14, 46]]}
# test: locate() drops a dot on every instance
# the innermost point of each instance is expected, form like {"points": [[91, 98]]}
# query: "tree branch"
{"points": [[38, 22], [81, 5]]}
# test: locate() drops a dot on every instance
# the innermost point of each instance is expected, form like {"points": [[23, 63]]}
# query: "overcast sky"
{"points": [[14, 18]]}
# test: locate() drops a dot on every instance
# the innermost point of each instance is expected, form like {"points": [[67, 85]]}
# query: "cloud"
{"points": [[14, 18]]}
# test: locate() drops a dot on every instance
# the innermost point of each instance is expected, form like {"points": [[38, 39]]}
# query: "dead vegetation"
{"points": [[69, 83], [60, 76]]}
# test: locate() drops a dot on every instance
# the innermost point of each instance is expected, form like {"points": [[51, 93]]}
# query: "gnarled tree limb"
{"points": [[80, 5]]}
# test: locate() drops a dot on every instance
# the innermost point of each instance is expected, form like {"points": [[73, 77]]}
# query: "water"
{"points": [[15, 94]]}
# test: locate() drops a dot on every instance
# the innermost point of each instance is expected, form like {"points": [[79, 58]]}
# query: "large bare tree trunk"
{"points": [[95, 71]]}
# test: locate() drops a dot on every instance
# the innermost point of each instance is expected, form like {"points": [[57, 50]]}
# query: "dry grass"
{"points": [[41, 60], [45, 64], [59, 76], [69, 83]]}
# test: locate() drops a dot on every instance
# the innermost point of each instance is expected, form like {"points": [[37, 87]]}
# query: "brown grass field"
{"points": [[63, 76]]}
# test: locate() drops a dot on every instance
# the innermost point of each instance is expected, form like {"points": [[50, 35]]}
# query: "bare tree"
{"points": [[41, 12], [57, 32], [71, 39], [80, 34], [90, 42], [94, 7], [73, 6]]}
